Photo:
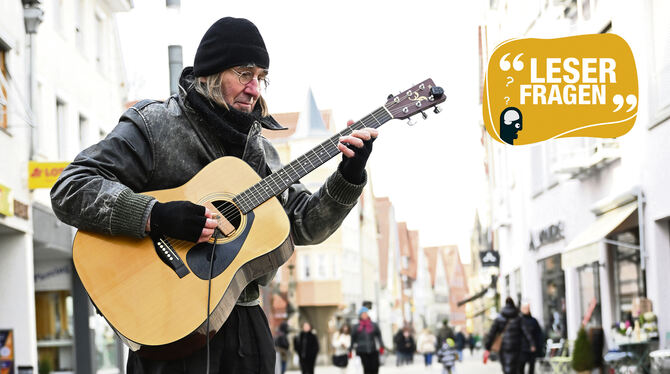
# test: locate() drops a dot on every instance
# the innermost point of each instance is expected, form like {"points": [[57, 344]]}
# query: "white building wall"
{"points": [[643, 157], [17, 304]]}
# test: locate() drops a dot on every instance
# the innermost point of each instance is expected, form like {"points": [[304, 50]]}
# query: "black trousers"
{"points": [[527, 358], [243, 345], [370, 362], [307, 365]]}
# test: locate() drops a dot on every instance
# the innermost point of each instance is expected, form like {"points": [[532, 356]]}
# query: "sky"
{"points": [[353, 54]]}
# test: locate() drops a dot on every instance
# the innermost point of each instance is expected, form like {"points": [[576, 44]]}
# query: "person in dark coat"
{"points": [[282, 346], [445, 332], [470, 340], [364, 338], [306, 345], [405, 346], [459, 341], [509, 324], [528, 355]]}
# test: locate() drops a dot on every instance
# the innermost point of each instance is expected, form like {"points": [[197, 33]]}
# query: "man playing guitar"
{"points": [[218, 112]]}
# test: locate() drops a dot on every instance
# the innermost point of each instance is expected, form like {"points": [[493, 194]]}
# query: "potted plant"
{"points": [[582, 353]]}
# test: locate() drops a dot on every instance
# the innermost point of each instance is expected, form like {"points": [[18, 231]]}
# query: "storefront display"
{"points": [[553, 297], [589, 294]]}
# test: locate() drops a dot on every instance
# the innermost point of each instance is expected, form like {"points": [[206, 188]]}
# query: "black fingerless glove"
{"points": [[178, 219], [353, 168]]}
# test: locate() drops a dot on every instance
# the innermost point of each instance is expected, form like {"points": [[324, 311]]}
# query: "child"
{"points": [[448, 355]]}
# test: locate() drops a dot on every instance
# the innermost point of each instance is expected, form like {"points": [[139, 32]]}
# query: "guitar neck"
{"points": [[277, 182]]}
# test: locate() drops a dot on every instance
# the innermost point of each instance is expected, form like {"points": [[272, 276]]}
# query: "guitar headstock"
{"points": [[419, 98]]}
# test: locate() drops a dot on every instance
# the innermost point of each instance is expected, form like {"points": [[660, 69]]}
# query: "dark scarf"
{"points": [[230, 126]]}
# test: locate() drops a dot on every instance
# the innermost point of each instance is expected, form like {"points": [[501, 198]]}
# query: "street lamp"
{"points": [[32, 17]]}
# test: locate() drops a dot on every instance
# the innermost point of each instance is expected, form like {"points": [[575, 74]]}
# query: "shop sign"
{"points": [[44, 174], [549, 234], [489, 258], [6, 201], [53, 275], [6, 352], [20, 209]]}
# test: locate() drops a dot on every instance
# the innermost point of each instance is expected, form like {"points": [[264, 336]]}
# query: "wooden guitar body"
{"points": [[158, 303]]}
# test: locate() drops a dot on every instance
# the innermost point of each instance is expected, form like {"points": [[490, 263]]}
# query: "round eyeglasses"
{"points": [[246, 76]]}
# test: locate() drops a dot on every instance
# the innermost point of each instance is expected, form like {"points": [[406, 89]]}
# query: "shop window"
{"points": [[553, 297], [84, 131], [305, 271], [627, 272], [54, 328], [61, 128], [321, 266], [106, 347], [3, 89], [589, 293], [517, 285]]}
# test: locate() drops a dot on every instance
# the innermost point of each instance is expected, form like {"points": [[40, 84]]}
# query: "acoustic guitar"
{"points": [[154, 291]]}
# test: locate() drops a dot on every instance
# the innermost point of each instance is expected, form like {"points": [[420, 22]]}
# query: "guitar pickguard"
{"points": [[197, 257]]}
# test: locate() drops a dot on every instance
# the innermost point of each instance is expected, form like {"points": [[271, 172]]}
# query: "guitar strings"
{"points": [[233, 211], [308, 157]]}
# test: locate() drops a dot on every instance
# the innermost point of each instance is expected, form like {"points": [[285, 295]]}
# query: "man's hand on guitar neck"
{"points": [[181, 220], [356, 149]]}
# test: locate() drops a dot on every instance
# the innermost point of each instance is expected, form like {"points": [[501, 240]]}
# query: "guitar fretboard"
{"points": [[277, 182]]}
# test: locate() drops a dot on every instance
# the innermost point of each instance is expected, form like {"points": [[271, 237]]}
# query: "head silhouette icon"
{"points": [[511, 122]]}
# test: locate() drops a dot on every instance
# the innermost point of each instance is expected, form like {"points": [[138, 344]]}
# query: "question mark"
{"points": [[510, 80], [507, 100]]}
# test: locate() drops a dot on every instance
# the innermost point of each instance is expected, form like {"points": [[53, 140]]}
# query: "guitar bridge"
{"points": [[169, 256]]}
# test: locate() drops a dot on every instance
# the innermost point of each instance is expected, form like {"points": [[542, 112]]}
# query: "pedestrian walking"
{"points": [[470, 342], [282, 346], [306, 345], [444, 332], [528, 355], [447, 356], [397, 342], [364, 338], [406, 346], [459, 339], [427, 345], [505, 337], [341, 343]]}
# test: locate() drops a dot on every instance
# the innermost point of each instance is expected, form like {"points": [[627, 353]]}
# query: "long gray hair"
{"points": [[210, 87]]}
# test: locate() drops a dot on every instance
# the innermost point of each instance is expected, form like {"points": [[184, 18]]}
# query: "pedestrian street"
{"points": [[470, 364]]}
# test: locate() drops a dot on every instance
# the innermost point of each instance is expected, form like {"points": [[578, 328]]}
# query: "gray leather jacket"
{"points": [[161, 145]]}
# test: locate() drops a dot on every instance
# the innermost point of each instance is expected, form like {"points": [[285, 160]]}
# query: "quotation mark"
{"points": [[516, 64], [630, 100]]}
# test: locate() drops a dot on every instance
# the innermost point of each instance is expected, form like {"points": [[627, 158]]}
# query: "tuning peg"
{"points": [[389, 97], [437, 109], [411, 122], [437, 92], [424, 115]]}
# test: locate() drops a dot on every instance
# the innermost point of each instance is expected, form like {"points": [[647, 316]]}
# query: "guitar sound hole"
{"points": [[230, 211]]}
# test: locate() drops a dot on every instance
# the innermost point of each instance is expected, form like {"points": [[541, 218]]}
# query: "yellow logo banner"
{"points": [[540, 89], [44, 174], [6, 201]]}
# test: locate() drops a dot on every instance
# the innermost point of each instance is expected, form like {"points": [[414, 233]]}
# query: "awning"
{"points": [[584, 248]]}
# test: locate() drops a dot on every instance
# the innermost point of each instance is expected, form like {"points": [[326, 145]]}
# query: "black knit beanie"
{"points": [[230, 42]]}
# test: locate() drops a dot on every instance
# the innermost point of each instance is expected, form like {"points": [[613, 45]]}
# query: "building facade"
{"points": [[63, 88], [582, 224]]}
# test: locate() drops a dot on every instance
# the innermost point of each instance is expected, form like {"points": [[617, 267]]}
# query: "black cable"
{"points": [[209, 291]]}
